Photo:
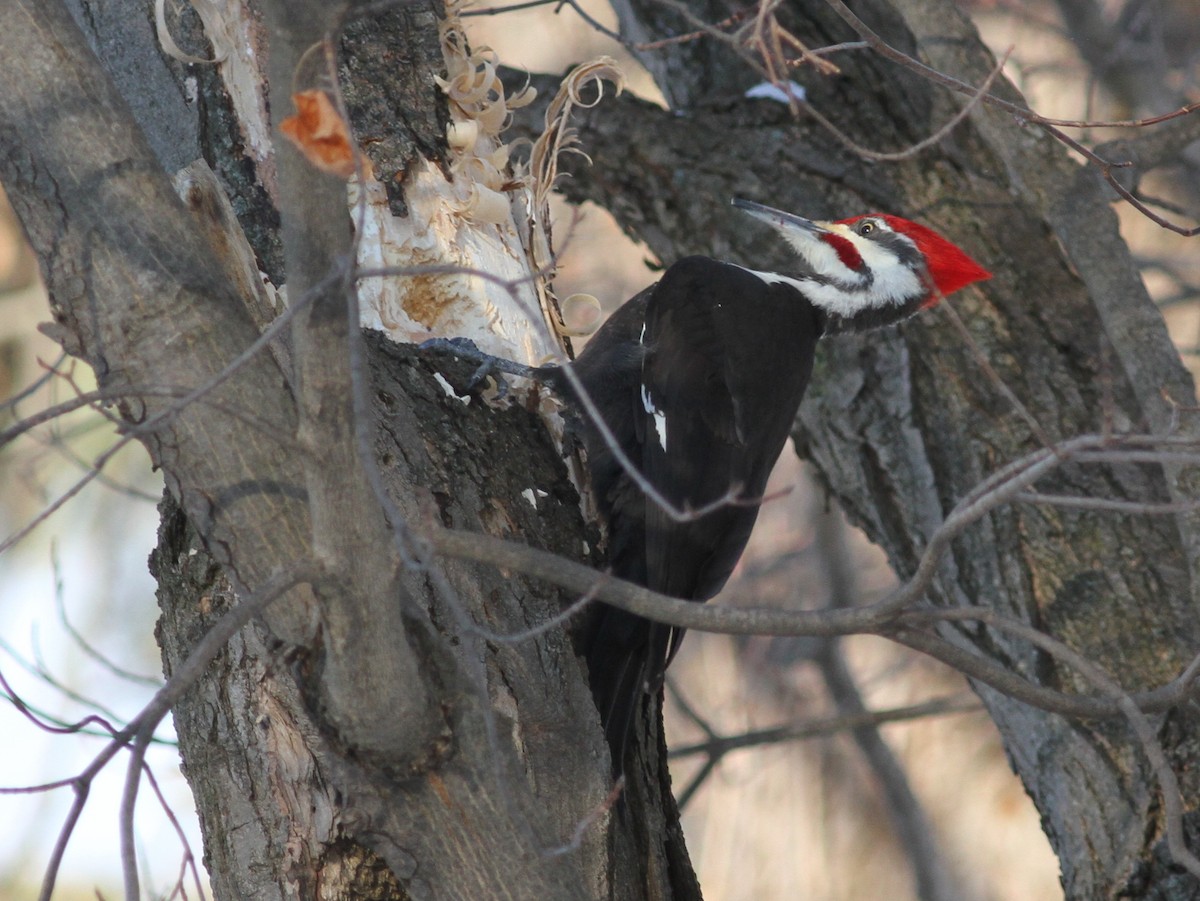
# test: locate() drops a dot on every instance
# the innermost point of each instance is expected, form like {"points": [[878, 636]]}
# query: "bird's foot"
{"points": [[489, 365]]}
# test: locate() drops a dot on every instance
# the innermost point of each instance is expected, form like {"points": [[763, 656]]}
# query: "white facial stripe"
{"points": [[839, 301], [892, 287], [660, 418], [881, 281], [774, 278], [822, 257], [894, 282], [829, 298]]}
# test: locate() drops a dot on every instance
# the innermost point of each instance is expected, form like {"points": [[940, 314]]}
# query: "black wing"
{"points": [[711, 364], [728, 356]]}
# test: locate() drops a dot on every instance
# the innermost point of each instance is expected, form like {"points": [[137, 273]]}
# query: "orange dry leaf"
{"points": [[320, 133]]}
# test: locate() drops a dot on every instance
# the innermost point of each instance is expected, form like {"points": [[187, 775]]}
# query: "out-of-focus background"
{"points": [[794, 819]]}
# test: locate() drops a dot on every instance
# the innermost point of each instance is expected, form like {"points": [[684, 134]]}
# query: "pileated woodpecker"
{"points": [[698, 379]]}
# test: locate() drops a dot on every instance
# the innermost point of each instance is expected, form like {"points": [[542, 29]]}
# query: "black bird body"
{"points": [[713, 361], [697, 380], [705, 420]]}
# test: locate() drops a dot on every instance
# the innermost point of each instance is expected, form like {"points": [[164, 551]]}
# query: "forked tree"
{"points": [[371, 675]]}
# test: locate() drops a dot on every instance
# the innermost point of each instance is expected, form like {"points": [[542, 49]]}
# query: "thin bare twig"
{"points": [[887, 618], [501, 10], [699, 33], [1129, 708], [98, 724], [822, 727], [33, 387], [931, 140], [185, 675], [84, 645], [563, 616], [1111, 505], [1024, 114]]}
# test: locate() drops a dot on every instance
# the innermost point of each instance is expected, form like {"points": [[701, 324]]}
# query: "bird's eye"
{"points": [[865, 228]]}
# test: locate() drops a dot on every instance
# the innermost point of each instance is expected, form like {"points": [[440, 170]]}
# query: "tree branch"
{"points": [[361, 597]]}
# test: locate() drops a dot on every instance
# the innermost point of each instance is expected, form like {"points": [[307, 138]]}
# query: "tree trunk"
{"points": [[287, 809], [321, 766]]}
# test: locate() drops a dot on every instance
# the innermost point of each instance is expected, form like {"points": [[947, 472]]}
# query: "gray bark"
{"points": [[477, 819], [319, 770]]}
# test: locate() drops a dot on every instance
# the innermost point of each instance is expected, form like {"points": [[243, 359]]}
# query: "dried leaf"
{"points": [[320, 133]]}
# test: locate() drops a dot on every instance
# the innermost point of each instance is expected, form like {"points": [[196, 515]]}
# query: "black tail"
{"points": [[626, 657]]}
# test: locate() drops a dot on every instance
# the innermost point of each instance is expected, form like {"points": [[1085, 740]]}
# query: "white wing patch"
{"points": [[660, 418]]}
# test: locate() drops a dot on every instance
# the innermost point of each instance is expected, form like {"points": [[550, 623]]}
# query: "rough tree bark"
{"points": [[305, 791], [321, 766]]}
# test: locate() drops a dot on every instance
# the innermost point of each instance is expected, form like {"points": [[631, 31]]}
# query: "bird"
{"points": [[697, 381]]}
